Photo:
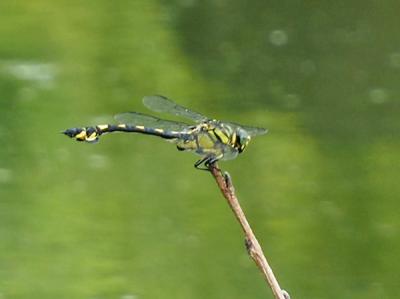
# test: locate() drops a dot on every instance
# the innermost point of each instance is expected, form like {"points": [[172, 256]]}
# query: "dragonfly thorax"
{"points": [[234, 136]]}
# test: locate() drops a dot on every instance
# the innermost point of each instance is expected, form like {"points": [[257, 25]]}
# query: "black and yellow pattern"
{"points": [[92, 134], [211, 139]]}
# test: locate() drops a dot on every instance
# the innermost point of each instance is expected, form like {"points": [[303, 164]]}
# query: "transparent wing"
{"points": [[139, 119], [164, 105], [255, 131], [252, 131]]}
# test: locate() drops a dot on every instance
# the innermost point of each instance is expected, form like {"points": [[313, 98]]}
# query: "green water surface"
{"points": [[131, 218]]}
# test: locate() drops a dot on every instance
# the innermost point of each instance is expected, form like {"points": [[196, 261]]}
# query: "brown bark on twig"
{"points": [[253, 247]]}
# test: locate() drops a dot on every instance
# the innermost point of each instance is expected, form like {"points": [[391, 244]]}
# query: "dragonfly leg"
{"points": [[204, 161], [212, 160], [207, 161]]}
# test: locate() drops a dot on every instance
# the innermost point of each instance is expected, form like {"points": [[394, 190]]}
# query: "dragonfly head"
{"points": [[242, 139]]}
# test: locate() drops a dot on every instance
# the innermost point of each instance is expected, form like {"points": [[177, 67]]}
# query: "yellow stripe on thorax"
{"points": [[233, 138], [221, 135]]}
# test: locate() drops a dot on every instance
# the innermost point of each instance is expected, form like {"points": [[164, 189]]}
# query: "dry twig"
{"points": [[253, 247]]}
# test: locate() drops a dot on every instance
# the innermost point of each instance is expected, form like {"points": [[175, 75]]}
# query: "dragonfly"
{"points": [[212, 139]]}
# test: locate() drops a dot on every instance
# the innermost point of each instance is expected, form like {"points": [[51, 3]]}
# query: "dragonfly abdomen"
{"points": [[92, 134]]}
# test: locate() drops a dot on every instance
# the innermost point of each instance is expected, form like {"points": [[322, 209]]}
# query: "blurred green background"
{"points": [[130, 217]]}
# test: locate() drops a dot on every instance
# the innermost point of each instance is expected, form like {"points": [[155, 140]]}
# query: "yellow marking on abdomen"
{"points": [[103, 127], [81, 135], [92, 137], [139, 127], [122, 126], [159, 130]]}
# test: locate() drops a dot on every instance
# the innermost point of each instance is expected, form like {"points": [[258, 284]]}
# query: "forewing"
{"points": [[139, 119], [164, 105]]}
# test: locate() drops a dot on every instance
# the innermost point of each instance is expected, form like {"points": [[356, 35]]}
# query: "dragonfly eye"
{"points": [[243, 139]]}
